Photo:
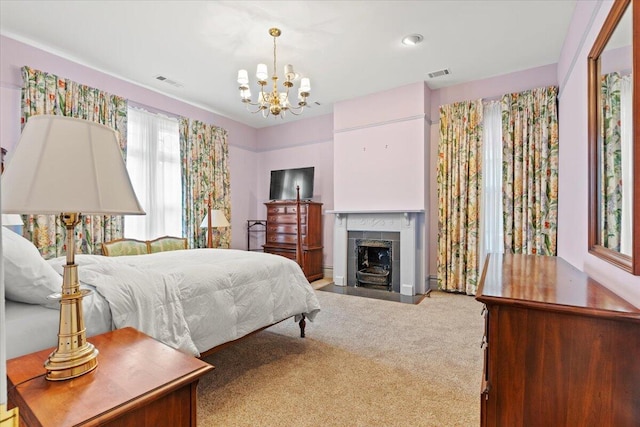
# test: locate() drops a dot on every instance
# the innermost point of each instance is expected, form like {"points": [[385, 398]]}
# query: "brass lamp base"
{"points": [[74, 355], [63, 366]]}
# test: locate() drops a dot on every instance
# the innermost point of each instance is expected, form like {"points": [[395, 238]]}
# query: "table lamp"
{"points": [[68, 167], [213, 218]]}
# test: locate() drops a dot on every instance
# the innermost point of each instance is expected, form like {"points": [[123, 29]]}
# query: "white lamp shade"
{"points": [[63, 164], [289, 74], [243, 77], [261, 72], [305, 84], [217, 219], [11, 219]]}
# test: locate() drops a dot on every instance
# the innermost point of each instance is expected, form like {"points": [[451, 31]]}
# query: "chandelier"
{"points": [[273, 102]]}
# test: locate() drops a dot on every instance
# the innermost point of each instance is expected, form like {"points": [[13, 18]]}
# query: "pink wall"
{"points": [[380, 139], [572, 216], [382, 107], [242, 138]]}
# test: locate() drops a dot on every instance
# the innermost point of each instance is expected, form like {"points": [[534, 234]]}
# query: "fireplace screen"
{"points": [[374, 263]]}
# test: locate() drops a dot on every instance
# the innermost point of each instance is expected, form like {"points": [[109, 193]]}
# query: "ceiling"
{"points": [[347, 48]]}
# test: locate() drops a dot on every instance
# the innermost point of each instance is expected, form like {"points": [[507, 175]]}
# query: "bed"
{"points": [[195, 300]]}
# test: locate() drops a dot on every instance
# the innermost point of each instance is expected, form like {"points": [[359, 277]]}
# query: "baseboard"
{"points": [[328, 272]]}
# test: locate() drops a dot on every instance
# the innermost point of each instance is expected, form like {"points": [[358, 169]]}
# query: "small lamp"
{"points": [[68, 166], [214, 218]]}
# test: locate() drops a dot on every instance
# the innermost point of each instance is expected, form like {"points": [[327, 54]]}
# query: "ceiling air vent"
{"points": [[168, 81], [439, 73]]}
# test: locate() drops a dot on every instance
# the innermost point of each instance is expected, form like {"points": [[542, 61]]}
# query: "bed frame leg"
{"points": [[302, 324]]}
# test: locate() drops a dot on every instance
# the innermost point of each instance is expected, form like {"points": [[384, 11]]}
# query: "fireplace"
{"points": [[373, 263], [405, 230]]}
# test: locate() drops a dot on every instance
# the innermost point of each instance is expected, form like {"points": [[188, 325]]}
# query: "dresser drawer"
{"points": [[291, 254], [276, 210], [294, 209], [286, 209], [285, 238], [286, 219], [286, 229]]}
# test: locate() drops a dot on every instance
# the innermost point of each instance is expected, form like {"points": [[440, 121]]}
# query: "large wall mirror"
{"points": [[614, 133]]}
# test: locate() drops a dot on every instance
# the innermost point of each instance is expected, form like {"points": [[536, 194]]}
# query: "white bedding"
{"points": [[196, 299]]}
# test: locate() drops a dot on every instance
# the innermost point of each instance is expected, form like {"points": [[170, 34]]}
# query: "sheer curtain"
{"points": [[153, 162], [491, 232], [626, 137]]}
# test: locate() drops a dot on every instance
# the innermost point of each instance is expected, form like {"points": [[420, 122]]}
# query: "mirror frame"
{"points": [[628, 263]]}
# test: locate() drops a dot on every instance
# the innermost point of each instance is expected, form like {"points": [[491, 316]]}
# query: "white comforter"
{"points": [[196, 299]]}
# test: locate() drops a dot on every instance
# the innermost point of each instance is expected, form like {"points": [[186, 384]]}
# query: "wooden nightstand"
{"points": [[138, 382]]}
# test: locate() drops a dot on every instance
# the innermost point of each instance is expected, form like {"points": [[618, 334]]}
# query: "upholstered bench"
{"points": [[140, 247]]}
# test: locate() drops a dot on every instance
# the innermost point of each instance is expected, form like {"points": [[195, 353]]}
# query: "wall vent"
{"points": [[168, 81], [439, 73]]}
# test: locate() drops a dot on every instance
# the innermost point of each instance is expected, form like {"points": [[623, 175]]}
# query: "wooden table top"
{"points": [[534, 280]]}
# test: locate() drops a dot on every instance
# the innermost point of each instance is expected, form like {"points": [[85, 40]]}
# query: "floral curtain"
{"points": [[459, 183], [205, 173], [530, 171], [45, 93], [610, 156]]}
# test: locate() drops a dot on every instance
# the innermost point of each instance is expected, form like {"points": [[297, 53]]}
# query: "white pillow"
{"points": [[27, 276]]}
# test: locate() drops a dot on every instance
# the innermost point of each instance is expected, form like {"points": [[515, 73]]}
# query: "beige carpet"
{"points": [[364, 362]]}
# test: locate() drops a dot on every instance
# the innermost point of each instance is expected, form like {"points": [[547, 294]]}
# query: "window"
{"points": [[153, 162], [491, 234]]}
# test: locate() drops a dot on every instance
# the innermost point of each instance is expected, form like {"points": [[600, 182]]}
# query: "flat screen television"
{"points": [[284, 182]]}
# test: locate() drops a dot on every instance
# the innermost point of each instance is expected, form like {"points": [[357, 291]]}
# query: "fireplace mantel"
{"points": [[410, 225]]}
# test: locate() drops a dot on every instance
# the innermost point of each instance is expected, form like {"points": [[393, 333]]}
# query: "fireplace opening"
{"points": [[374, 263]]}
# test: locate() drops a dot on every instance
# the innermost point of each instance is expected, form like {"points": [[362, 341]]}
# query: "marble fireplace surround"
{"points": [[407, 223]]}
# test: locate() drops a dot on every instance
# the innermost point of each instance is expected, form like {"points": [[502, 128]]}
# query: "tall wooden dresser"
{"points": [[560, 348], [282, 232]]}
